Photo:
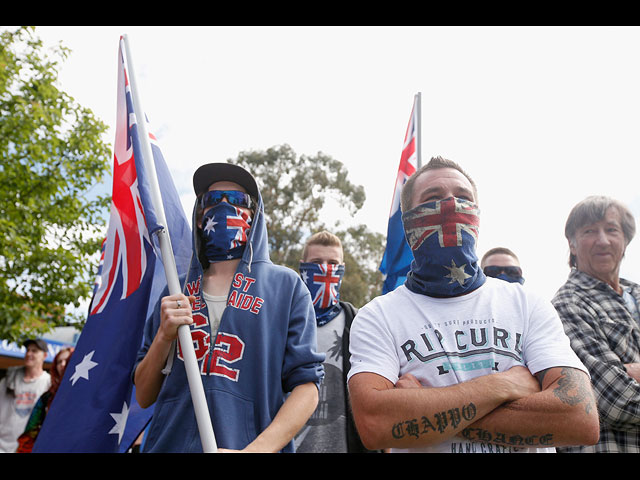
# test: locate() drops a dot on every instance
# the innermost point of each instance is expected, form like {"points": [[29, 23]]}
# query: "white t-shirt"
{"points": [[16, 405], [216, 305], [445, 341]]}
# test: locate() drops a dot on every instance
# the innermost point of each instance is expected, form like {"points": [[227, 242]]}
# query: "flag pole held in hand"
{"points": [[196, 388]]}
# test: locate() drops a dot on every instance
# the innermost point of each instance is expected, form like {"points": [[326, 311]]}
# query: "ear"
{"points": [[199, 217]]}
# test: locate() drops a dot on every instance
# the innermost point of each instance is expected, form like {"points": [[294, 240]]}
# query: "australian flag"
{"points": [[397, 257], [94, 401]]}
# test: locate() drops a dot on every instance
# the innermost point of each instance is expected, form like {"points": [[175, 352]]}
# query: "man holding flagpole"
{"points": [[262, 352], [252, 324]]}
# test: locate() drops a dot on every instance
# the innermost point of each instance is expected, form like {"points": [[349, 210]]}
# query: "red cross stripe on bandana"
{"points": [[239, 223], [448, 218], [328, 282]]}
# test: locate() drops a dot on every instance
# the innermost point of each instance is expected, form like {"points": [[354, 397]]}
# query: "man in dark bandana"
{"points": [[453, 360], [330, 429]]}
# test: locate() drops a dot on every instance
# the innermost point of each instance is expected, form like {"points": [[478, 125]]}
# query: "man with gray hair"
{"points": [[600, 315]]}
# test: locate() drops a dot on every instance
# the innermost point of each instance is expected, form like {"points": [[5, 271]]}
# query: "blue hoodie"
{"points": [[266, 346]]}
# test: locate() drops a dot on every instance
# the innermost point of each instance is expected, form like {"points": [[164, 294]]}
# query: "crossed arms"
{"points": [[510, 408]]}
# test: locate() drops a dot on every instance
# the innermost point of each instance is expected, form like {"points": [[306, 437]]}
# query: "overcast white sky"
{"points": [[539, 116]]}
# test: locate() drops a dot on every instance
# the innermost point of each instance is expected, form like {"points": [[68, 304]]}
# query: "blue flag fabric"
{"points": [[94, 403], [397, 257]]}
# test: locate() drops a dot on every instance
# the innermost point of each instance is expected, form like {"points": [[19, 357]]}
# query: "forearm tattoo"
{"points": [[511, 440], [571, 389], [440, 422]]}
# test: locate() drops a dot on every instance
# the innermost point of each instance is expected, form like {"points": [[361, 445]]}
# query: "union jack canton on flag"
{"points": [[397, 257], [94, 401]]}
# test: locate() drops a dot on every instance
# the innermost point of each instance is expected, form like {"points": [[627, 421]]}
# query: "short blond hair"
{"points": [[324, 238]]}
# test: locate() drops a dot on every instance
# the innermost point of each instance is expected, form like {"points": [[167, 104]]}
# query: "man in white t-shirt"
{"points": [[454, 361], [20, 389]]}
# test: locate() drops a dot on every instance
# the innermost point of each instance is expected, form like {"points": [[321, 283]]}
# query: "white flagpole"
{"points": [[419, 128], [184, 333]]}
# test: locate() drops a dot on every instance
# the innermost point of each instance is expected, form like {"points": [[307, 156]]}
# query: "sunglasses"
{"points": [[234, 197], [494, 271]]}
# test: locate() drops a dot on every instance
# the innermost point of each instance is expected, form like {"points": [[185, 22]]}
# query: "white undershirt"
{"points": [[216, 305]]}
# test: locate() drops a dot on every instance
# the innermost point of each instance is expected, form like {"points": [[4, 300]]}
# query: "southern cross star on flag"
{"points": [[92, 410]]}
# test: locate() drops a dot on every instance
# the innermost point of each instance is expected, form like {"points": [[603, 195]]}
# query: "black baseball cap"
{"points": [[218, 172], [41, 344]]}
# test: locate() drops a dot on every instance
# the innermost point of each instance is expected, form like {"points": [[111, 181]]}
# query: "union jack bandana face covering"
{"points": [[323, 282], [442, 236], [224, 230]]}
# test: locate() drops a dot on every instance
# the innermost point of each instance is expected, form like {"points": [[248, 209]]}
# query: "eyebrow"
{"points": [[315, 260], [606, 223], [438, 189]]}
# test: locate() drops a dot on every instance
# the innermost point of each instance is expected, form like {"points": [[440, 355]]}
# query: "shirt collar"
{"points": [[586, 281]]}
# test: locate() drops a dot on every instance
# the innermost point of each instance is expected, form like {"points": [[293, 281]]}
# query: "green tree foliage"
{"points": [[51, 159], [363, 250], [294, 190]]}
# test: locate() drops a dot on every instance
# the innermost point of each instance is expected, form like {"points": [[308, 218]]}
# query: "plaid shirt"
{"points": [[605, 337]]}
